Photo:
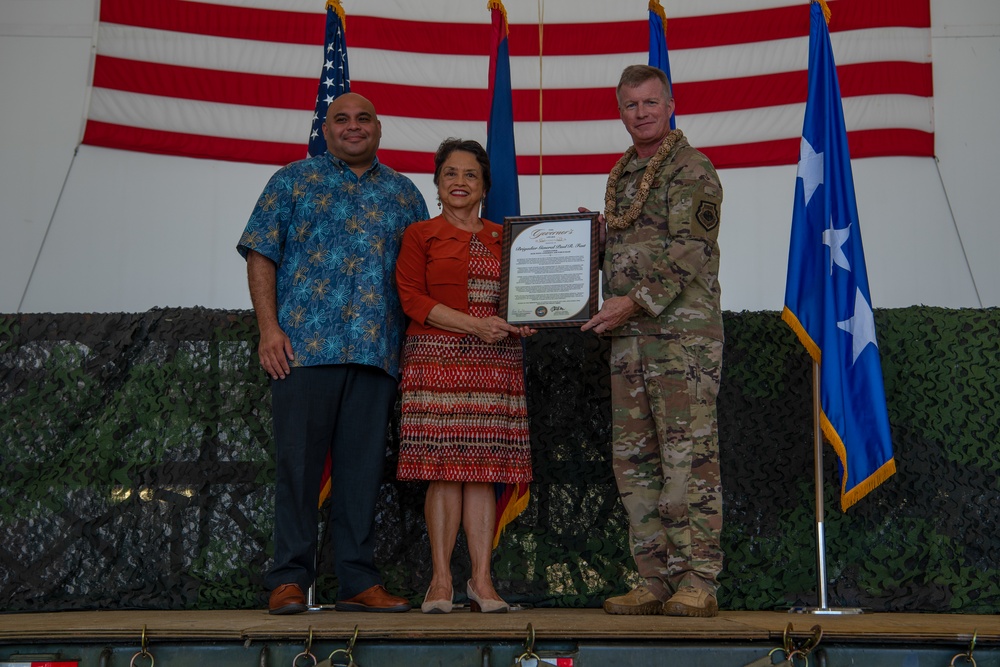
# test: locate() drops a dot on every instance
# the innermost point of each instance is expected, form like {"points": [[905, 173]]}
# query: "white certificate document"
{"points": [[549, 274]]}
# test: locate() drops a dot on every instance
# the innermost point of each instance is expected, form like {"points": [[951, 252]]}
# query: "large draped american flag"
{"points": [[237, 79]]}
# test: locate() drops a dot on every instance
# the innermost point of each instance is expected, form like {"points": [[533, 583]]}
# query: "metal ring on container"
{"points": [[145, 654], [304, 654]]}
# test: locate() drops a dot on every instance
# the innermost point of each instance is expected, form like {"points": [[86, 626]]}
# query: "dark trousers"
{"points": [[343, 410]]}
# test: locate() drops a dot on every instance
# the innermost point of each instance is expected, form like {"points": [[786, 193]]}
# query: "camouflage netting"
{"points": [[136, 471]]}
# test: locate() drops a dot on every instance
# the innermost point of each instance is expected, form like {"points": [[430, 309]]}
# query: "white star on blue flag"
{"points": [[334, 80], [827, 298]]}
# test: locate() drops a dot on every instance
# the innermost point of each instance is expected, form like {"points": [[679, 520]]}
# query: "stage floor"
{"points": [[461, 625]]}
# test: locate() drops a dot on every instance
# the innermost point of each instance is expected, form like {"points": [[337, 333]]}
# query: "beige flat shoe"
{"points": [[437, 606], [476, 603]]}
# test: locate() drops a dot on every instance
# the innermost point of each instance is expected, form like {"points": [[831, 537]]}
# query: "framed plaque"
{"points": [[549, 270]]}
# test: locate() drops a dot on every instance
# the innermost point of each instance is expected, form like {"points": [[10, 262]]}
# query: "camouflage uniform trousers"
{"points": [[665, 449]]}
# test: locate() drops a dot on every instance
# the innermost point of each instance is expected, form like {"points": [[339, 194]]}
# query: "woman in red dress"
{"points": [[464, 424]]}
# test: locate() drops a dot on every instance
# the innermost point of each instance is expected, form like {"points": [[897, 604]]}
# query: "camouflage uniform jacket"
{"points": [[667, 261]]}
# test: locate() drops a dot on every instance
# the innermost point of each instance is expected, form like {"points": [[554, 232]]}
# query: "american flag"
{"points": [[336, 76], [236, 79]]}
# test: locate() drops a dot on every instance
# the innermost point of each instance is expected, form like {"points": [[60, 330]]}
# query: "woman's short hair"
{"points": [[450, 145]]}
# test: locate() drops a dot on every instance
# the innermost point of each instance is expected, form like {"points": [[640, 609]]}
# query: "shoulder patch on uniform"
{"points": [[708, 215]]}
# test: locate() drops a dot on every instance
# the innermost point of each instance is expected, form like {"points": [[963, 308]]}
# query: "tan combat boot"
{"points": [[690, 601], [637, 602]]}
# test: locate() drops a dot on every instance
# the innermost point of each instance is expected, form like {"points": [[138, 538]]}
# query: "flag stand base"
{"points": [[827, 611], [311, 604], [822, 609]]}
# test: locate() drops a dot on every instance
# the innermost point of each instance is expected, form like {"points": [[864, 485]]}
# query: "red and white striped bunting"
{"points": [[236, 79]]}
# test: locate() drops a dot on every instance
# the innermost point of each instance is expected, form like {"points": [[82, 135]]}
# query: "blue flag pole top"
{"points": [[504, 198], [335, 79], [658, 56], [827, 298]]}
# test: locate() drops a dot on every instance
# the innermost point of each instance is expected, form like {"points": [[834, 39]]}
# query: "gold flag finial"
{"points": [[498, 4], [826, 10], [337, 7], [657, 8]]}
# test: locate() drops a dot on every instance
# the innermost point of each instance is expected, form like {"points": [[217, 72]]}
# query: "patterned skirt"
{"points": [[464, 415]]}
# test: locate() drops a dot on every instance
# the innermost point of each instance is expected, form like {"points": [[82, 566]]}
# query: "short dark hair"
{"points": [[450, 145], [635, 75]]}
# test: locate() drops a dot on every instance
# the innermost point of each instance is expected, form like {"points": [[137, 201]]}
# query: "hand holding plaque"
{"points": [[549, 269]]}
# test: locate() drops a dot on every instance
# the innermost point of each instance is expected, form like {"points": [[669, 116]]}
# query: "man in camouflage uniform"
{"points": [[663, 315]]}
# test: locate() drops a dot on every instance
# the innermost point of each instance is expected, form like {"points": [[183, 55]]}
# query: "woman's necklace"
{"points": [[653, 166]]}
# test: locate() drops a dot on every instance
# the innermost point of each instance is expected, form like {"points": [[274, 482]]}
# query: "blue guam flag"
{"points": [[335, 78], [502, 200], [827, 300], [658, 56]]}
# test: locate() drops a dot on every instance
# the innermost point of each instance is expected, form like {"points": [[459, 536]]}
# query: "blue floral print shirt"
{"points": [[334, 238]]}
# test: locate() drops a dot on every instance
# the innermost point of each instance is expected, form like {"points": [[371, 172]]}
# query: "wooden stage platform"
{"points": [[555, 624]]}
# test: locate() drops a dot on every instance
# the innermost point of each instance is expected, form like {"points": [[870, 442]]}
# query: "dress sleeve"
{"points": [[411, 275]]}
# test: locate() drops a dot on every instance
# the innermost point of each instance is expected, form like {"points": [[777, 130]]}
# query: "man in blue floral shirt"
{"points": [[321, 249]]}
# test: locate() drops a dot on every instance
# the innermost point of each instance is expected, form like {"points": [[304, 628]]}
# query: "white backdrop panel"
{"points": [[135, 231]]}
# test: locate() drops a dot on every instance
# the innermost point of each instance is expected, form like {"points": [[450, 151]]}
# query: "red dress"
{"points": [[464, 415]]}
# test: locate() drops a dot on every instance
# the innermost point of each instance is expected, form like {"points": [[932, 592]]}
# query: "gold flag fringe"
{"points": [[657, 8], [511, 512], [847, 498], [826, 10], [336, 6], [807, 342], [498, 4]]}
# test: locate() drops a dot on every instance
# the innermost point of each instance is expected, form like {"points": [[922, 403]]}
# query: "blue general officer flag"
{"points": [[504, 198], [335, 78], [658, 56], [827, 299]]}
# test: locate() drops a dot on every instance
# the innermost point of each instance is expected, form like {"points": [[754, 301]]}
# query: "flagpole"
{"points": [[818, 474], [823, 607], [311, 603], [311, 598], [848, 395], [541, 92]]}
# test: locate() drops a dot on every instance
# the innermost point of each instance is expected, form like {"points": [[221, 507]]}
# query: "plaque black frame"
{"points": [[513, 227]]}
